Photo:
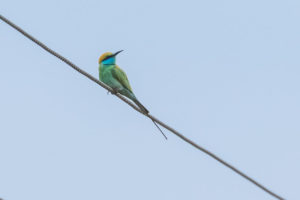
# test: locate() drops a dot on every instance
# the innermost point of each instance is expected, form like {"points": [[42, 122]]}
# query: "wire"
{"points": [[158, 129], [154, 119]]}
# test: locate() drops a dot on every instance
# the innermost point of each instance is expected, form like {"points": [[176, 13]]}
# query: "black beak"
{"points": [[113, 55], [117, 53]]}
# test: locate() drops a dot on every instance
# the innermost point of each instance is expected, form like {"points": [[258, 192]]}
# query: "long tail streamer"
{"points": [[155, 120], [159, 129]]}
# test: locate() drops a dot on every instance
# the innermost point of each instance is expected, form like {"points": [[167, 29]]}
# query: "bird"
{"points": [[113, 76]]}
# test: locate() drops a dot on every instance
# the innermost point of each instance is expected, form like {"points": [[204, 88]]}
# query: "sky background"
{"points": [[223, 73]]}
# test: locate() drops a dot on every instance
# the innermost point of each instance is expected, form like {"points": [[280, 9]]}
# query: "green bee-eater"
{"points": [[113, 76]]}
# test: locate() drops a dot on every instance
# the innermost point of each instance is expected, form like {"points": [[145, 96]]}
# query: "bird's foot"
{"points": [[114, 92]]}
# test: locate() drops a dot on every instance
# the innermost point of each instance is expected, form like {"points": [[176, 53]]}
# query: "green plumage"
{"points": [[115, 77]]}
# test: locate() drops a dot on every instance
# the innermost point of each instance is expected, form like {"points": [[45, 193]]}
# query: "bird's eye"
{"points": [[108, 57]]}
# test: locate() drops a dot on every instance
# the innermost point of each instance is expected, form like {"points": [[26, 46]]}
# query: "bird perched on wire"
{"points": [[113, 76]]}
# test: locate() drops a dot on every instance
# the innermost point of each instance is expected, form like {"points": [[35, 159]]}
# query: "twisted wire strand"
{"points": [[154, 119]]}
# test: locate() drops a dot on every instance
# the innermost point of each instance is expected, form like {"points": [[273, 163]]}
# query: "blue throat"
{"points": [[109, 61]]}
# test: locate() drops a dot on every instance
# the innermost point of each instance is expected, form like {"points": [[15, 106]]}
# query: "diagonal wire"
{"points": [[154, 119]]}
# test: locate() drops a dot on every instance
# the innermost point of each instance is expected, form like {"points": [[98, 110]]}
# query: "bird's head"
{"points": [[108, 58]]}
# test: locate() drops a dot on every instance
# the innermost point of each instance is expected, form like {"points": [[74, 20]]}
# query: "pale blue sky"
{"points": [[224, 73]]}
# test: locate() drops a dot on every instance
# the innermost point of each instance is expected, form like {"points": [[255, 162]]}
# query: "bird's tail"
{"points": [[144, 110], [159, 129], [131, 96]]}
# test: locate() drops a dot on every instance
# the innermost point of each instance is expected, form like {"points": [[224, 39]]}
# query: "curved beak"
{"points": [[117, 53]]}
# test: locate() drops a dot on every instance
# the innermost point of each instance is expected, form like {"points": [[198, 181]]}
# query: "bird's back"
{"points": [[114, 76]]}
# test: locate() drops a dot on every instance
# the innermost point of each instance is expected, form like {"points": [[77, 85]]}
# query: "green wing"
{"points": [[120, 75]]}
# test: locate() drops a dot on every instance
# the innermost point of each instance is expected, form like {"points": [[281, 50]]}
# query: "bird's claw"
{"points": [[112, 92]]}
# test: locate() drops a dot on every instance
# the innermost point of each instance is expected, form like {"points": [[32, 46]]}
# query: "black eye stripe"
{"points": [[108, 57]]}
